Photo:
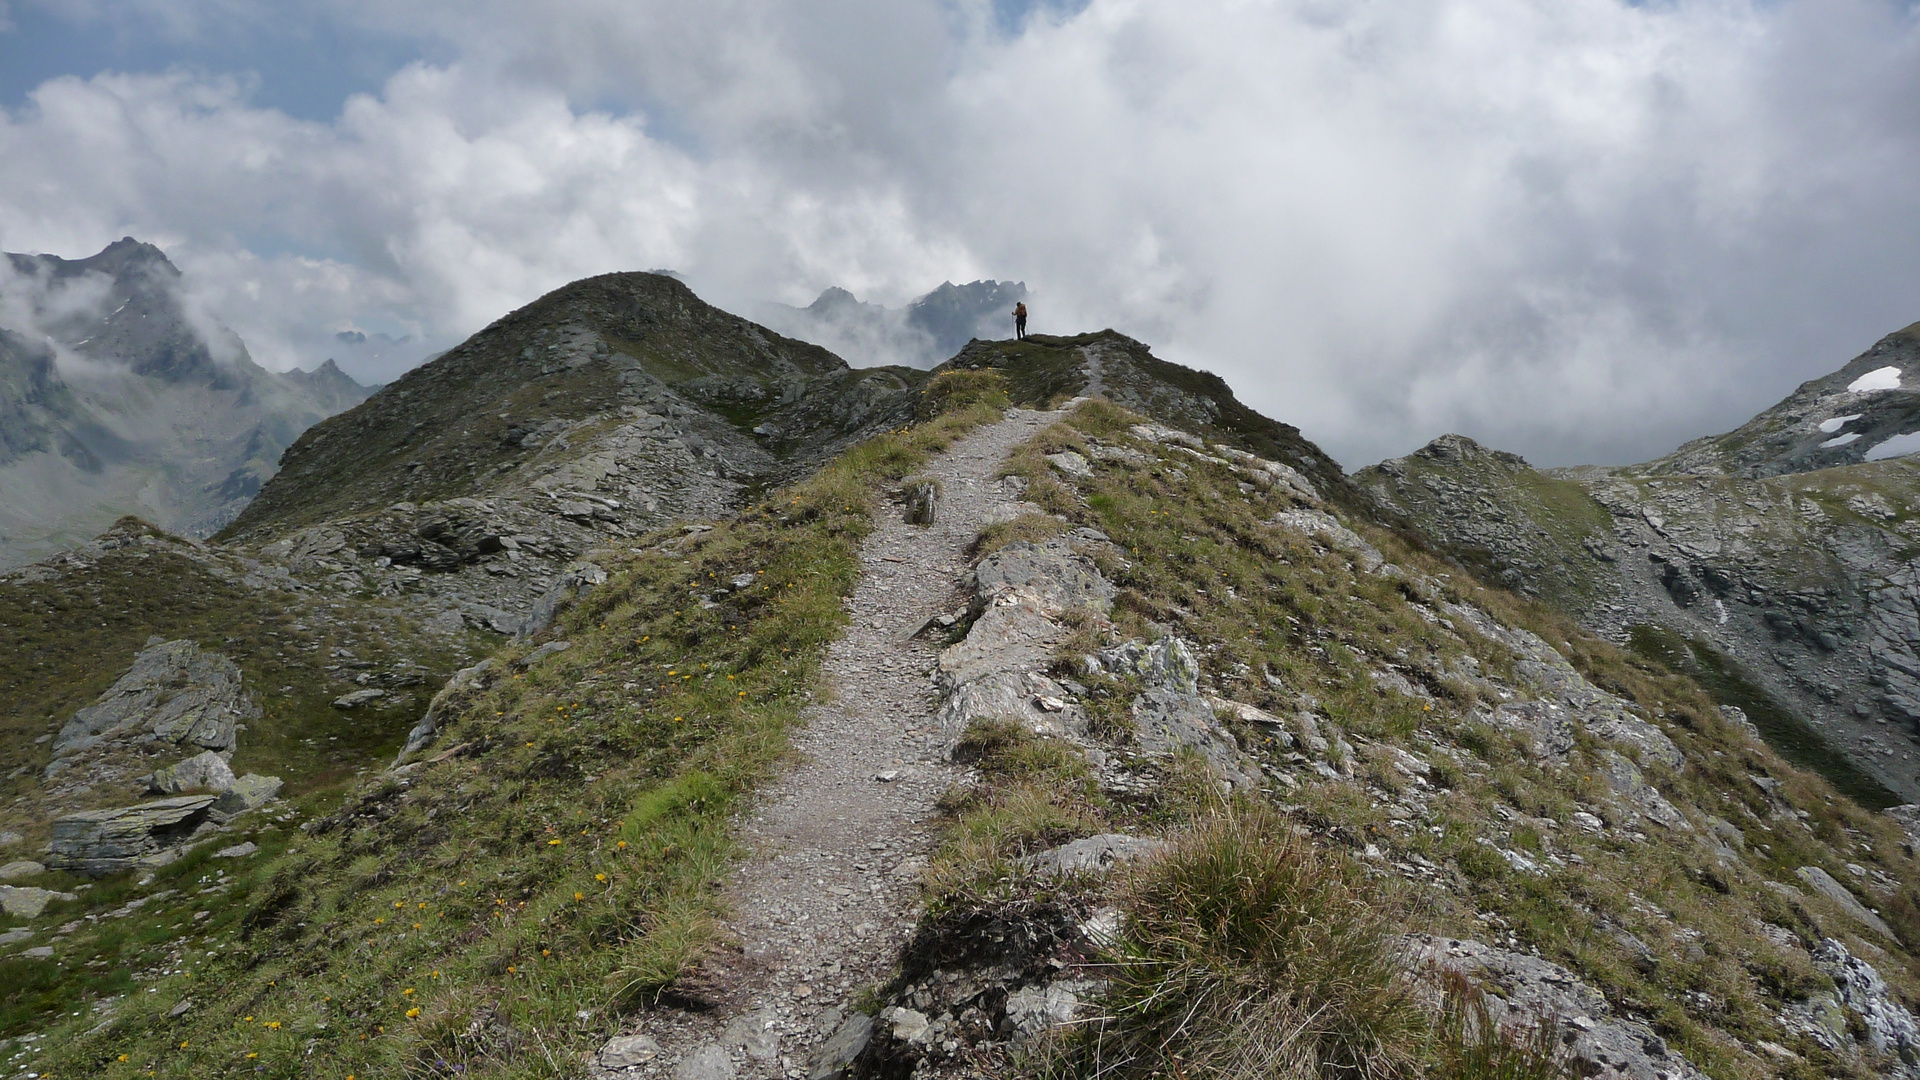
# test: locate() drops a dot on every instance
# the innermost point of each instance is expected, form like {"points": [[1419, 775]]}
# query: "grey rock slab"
{"points": [[175, 692], [28, 902], [15, 936], [836, 1057], [705, 1063], [1524, 991], [756, 1033], [1824, 884], [20, 868], [1095, 854], [101, 842], [1166, 720], [551, 648], [1327, 529], [1071, 463], [358, 698], [206, 770], [627, 1051], [1051, 571], [43, 952], [237, 851], [576, 579], [1006, 637], [1890, 1028], [249, 792], [1011, 695]]}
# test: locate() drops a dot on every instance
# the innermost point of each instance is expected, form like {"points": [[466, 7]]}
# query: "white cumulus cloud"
{"points": [[1583, 230]]}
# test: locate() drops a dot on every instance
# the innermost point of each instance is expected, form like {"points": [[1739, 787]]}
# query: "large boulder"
{"points": [[206, 770], [101, 842], [249, 792], [28, 903], [1051, 573], [175, 693]]}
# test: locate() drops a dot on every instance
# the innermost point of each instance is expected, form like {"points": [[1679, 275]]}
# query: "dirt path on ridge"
{"points": [[830, 892]]}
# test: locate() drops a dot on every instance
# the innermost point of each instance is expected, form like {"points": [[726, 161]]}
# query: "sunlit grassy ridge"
{"points": [[493, 911], [1670, 935]]}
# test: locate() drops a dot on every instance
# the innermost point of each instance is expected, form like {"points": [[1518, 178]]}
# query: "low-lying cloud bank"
{"points": [[1583, 230]]}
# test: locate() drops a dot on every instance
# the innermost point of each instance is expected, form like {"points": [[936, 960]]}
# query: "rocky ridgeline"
{"points": [[969, 988], [1801, 579]]}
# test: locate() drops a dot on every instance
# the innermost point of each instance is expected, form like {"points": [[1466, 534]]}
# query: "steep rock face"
{"points": [[113, 400], [1792, 591]]}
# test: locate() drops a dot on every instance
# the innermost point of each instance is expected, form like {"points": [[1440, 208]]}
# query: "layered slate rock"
{"points": [[101, 842], [175, 694]]}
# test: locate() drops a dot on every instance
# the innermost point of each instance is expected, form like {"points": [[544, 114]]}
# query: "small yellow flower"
{"points": [[398, 904], [123, 1057], [413, 1012], [599, 877], [408, 990], [510, 969], [250, 1057], [621, 844], [553, 843], [579, 896]]}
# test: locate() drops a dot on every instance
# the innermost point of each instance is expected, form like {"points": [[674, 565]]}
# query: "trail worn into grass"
{"points": [[830, 891]]}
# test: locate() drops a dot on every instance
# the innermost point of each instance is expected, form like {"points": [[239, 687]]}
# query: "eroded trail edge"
{"points": [[830, 892]]}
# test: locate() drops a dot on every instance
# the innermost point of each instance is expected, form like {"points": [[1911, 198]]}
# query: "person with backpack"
{"points": [[1020, 321]]}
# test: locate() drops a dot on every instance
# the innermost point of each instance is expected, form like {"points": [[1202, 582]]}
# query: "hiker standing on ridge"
{"points": [[1020, 321]]}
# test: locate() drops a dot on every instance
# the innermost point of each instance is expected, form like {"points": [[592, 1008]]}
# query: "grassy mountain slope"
{"points": [[581, 358], [548, 865]]}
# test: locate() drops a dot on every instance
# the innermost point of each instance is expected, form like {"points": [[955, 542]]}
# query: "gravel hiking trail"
{"points": [[830, 890]]}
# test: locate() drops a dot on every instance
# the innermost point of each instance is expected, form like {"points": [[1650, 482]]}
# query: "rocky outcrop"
{"points": [[1523, 992], [206, 770], [175, 695], [101, 842]]}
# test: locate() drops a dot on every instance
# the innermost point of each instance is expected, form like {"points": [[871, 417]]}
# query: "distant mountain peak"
{"points": [[1867, 410]]}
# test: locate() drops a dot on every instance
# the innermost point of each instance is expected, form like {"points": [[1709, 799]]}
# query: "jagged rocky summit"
{"points": [[113, 401]]}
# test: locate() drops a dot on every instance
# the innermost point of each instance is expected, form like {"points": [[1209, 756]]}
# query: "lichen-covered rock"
{"points": [[1095, 854], [1887, 1025], [102, 842], [249, 792], [205, 770], [28, 902], [1168, 662], [1524, 991], [1051, 572], [1167, 721], [175, 692]]}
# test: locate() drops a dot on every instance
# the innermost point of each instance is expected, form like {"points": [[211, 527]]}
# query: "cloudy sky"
{"points": [[1583, 230]]}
